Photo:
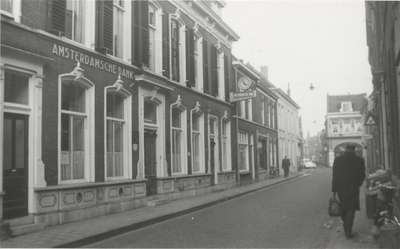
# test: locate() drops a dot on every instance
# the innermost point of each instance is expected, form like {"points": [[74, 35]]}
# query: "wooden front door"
{"points": [[150, 161], [212, 160], [15, 165], [262, 155]]}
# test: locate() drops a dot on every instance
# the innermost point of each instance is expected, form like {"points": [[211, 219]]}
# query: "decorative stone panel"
{"points": [[69, 198], [77, 198], [48, 201], [88, 196], [167, 186], [139, 189]]}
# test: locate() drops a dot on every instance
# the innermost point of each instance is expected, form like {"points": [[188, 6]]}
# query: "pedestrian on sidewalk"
{"points": [[348, 176], [285, 166]]}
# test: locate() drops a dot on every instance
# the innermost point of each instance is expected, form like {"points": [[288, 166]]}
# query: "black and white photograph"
{"points": [[200, 124]]}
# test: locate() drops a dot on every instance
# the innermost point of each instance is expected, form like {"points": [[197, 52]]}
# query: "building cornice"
{"points": [[210, 23], [242, 66]]}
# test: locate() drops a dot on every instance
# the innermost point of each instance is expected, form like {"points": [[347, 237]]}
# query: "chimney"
{"points": [[288, 89], [264, 71]]}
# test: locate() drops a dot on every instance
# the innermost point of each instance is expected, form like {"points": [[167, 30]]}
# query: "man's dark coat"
{"points": [[285, 163], [348, 176]]}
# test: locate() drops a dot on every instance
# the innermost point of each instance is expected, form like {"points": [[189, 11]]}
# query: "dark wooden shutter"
{"points": [[165, 47], [214, 71], [136, 33], [145, 32], [56, 17], [190, 65], [175, 50], [104, 26], [140, 33], [226, 77], [206, 86]]}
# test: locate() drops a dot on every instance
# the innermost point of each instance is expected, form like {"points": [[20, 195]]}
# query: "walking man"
{"points": [[285, 166], [348, 176]]}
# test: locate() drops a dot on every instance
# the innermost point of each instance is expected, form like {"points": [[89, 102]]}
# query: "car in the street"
{"points": [[308, 164]]}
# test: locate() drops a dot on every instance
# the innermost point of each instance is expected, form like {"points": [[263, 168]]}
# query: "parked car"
{"points": [[307, 164]]}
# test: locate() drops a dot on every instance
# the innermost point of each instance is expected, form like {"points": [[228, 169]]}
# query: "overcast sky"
{"points": [[302, 42]]}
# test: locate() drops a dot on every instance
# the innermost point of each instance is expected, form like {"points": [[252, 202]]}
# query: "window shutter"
{"points": [[135, 33], [190, 67], [175, 50], [214, 71], [205, 68], [226, 67], [56, 17], [165, 47], [104, 26], [145, 32]]}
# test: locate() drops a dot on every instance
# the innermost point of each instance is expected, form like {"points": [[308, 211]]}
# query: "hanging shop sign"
{"points": [[244, 90]]}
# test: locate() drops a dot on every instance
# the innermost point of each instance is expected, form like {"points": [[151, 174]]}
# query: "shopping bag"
{"points": [[334, 209]]}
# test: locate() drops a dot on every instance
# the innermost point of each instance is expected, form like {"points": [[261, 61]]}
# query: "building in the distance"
{"points": [[343, 124]]}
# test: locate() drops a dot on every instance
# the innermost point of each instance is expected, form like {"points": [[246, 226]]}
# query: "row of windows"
{"points": [[77, 129], [156, 40], [345, 126], [287, 120]]}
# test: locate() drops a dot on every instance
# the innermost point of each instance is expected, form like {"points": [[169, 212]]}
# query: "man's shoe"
{"points": [[349, 235]]}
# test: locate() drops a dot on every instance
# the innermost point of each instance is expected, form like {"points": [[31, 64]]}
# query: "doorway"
{"points": [[262, 155], [212, 160], [15, 165], [150, 163]]}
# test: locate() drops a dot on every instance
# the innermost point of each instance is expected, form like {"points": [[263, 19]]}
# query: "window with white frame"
{"points": [[177, 46], [226, 145], [75, 21], [75, 135], [155, 40], [116, 133], [11, 8], [263, 111], [178, 140], [198, 62], [221, 75], [243, 151], [67, 19], [268, 117], [273, 116], [197, 127], [152, 37], [346, 107], [119, 10]]}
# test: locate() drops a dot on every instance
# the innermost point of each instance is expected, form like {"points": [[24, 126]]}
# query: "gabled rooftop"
{"points": [[334, 102]]}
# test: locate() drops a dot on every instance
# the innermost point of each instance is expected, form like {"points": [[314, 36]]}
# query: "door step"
{"points": [[157, 202], [24, 225]]}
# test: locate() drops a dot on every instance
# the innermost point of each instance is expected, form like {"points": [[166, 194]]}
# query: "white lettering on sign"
{"points": [[84, 59]]}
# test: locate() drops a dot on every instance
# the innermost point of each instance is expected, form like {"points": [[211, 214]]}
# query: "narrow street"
{"points": [[289, 215]]}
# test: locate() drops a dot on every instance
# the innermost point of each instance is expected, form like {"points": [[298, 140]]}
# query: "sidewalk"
{"points": [[361, 230], [79, 234]]}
